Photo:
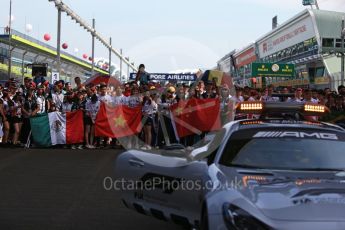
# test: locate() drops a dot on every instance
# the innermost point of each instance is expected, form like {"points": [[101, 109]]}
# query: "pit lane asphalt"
{"points": [[63, 189]]}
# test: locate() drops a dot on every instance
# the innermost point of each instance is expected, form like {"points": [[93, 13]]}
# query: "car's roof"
{"points": [[280, 123]]}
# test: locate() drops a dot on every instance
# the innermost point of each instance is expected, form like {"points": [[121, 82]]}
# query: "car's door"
{"points": [[168, 184]]}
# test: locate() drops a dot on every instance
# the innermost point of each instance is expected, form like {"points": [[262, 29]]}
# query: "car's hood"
{"points": [[301, 197]]}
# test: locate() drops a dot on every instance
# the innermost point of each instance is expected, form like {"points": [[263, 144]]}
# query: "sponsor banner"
{"points": [[168, 77], [321, 80], [274, 70], [293, 34], [245, 58], [291, 83]]}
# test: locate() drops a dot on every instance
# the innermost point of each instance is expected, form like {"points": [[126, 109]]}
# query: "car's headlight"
{"points": [[237, 218]]}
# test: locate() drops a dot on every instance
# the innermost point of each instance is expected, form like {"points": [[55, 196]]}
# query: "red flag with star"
{"points": [[195, 116], [118, 121]]}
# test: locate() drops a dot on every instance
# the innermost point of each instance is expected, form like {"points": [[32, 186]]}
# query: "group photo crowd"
{"points": [[19, 103]]}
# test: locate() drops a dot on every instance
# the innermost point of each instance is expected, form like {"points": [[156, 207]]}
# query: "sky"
{"points": [[164, 35]]}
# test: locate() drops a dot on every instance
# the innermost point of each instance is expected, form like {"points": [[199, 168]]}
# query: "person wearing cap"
{"points": [[167, 99], [32, 86], [38, 78], [209, 92], [142, 75]]}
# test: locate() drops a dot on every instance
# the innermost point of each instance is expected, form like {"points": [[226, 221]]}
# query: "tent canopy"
{"points": [[98, 79]]}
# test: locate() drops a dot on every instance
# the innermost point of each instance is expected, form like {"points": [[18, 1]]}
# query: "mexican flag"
{"points": [[58, 128]]}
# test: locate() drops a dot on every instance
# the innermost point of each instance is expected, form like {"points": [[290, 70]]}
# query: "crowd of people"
{"points": [[37, 96]]}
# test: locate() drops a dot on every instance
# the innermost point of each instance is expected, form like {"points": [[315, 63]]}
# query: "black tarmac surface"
{"points": [[63, 189]]}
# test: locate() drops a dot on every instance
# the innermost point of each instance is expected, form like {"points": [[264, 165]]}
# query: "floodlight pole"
{"points": [[317, 5], [9, 42], [121, 65], [128, 70], [343, 50], [93, 46], [110, 57], [58, 43]]}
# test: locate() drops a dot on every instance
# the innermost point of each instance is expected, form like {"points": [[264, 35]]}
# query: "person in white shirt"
{"points": [[91, 107], [298, 95], [41, 101], [57, 98], [103, 96], [119, 98], [6, 101], [238, 98], [268, 95], [135, 99], [309, 99], [67, 103]]}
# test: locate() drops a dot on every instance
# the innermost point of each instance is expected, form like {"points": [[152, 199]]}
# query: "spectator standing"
{"points": [[142, 75], [29, 110], [17, 119], [149, 108], [57, 97], [91, 109], [41, 101]]}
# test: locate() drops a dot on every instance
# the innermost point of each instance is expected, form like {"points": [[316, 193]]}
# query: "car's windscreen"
{"points": [[285, 149]]}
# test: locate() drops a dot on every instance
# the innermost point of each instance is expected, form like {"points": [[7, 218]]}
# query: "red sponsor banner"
{"points": [[245, 58]]}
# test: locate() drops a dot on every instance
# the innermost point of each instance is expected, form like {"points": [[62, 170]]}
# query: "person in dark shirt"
{"points": [[39, 79], [142, 75], [30, 109]]}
